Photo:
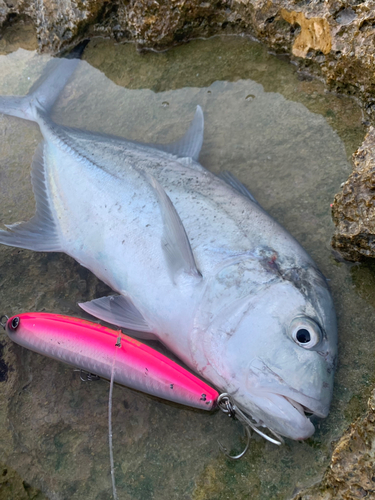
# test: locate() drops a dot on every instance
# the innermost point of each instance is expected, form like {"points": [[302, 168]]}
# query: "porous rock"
{"points": [[334, 38], [13, 487], [351, 472], [353, 210]]}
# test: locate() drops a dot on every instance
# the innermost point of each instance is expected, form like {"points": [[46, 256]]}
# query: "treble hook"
{"points": [[86, 376], [226, 405]]}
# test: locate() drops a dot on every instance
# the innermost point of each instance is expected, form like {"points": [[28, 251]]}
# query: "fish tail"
{"points": [[44, 93], [16, 106]]}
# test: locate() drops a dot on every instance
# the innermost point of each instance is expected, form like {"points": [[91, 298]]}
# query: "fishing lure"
{"points": [[91, 347], [119, 358]]}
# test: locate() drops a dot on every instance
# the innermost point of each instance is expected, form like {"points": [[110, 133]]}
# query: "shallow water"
{"points": [[288, 141]]}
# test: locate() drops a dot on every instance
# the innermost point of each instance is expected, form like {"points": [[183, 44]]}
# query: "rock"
{"points": [[19, 34], [315, 33], [12, 486], [353, 208], [351, 472], [331, 38]]}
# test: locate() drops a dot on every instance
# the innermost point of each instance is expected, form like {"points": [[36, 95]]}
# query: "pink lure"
{"points": [[91, 347]]}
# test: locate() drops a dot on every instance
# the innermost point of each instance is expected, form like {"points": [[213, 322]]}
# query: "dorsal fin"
{"points": [[191, 143], [175, 241], [237, 185]]}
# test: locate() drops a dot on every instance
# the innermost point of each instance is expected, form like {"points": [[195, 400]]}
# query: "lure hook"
{"points": [[86, 376], [226, 404], [240, 455]]}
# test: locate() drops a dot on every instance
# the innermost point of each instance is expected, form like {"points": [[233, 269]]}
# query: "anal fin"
{"points": [[40, 232]]}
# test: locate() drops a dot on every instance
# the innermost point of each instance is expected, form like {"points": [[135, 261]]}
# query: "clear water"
{"points": [[289, 142]]}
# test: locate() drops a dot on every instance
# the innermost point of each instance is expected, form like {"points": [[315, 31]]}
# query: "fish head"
{"points": [[275, 352]]}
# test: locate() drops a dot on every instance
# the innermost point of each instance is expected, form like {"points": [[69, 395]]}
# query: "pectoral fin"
{"points": [[120, 311], [175, 242], [40, 232]]}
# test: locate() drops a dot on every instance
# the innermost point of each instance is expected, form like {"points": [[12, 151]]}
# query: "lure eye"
{"points": [[14, 323], [305, 332]]}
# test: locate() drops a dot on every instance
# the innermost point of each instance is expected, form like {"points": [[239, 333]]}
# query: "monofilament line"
{"points": [[117, 345]]}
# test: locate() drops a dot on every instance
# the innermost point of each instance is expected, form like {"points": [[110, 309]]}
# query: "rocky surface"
{"points": [[334, 38], [13, 487], [353, 208], [351, 472]]}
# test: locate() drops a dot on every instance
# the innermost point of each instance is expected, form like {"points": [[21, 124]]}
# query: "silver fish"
{"points": [[196, 262]]}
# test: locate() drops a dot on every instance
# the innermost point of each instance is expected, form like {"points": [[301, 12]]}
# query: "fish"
{"points": [[195, 262], [91, 347]]}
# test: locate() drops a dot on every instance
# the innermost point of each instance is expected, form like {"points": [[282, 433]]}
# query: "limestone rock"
{"points": [[315, 33], [351, 472], [353, 210], [12, 486], [19, 34], [334, 38]]}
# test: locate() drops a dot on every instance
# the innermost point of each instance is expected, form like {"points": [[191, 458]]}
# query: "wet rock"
{"points": [[315, 33], [353, 208], [20, 33], [351, 472], [333, 38], [12, 486], [55, 22], [3, 366]]}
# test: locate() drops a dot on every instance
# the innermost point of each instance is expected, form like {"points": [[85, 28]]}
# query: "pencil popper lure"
{"points": [[91, 347], [112, 355]]}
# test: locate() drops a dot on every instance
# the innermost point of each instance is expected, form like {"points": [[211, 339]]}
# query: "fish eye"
{"points": [[305, 332]]}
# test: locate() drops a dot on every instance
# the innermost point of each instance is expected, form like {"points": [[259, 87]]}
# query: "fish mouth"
{"points": [[304, 410], [287, 414], [300, 408], [281, 407], [305, 405], [294, 418]]}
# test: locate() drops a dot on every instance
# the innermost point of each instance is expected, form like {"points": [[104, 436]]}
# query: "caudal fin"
{"points": [[15, 106], [43, 93]]}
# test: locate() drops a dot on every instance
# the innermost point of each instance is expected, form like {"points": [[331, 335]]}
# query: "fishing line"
{"points": [[117, 345]]}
